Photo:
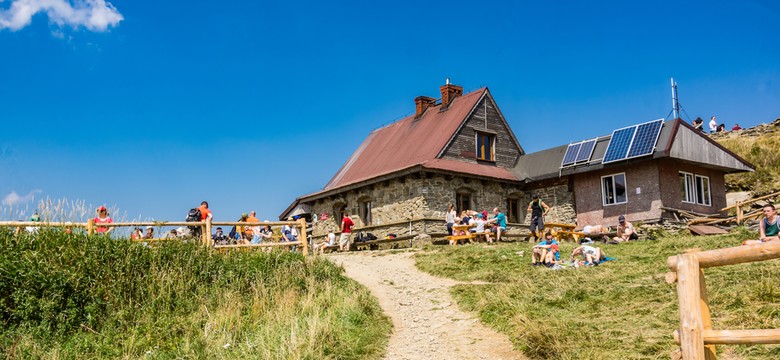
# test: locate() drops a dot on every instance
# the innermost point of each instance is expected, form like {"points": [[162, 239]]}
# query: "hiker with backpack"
{"points": [[200, 213], [538, 210]]}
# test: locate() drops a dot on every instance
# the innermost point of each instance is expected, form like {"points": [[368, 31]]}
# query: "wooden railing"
{"points": [[205, 226], [696, 337]]}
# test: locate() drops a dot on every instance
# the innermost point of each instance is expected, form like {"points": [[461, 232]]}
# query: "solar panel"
{"points": [[619, 144], [585, 151], [571, 154], [645, 138]]}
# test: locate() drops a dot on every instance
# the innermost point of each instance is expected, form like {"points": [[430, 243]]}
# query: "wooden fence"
{"points": [[696, 337], [205, 226]]}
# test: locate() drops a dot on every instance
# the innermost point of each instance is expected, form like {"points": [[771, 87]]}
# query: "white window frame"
{"points": [[689, 197], [692, 189], [709, 191], [614, 190]]}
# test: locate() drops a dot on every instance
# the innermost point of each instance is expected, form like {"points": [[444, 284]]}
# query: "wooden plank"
{"points": [[749, 337], [302, 236], [706, 230]]}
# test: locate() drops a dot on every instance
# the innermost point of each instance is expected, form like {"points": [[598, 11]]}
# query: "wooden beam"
{"points": [[732, 255], [706, 320], [750, 337], [751, 201]]}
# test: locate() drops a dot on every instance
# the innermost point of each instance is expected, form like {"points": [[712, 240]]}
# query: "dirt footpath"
{"points": [[427, 322]]}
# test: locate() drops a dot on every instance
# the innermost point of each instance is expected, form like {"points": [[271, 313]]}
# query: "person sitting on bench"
{"points": [[768, 228], [480, 228]]}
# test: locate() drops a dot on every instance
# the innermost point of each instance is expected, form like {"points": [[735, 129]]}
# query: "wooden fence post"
{"points": [[739, 212], [709, 350], [689, 295], [207, 232], [303, 237], [91, 227]]}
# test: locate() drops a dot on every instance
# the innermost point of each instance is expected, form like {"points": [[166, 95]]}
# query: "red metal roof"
{"points": [[410, 142]]}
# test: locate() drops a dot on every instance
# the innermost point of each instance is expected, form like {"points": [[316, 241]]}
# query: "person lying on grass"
{"points": [[591, 255], [546, 252], [594, 231], [768, 228]]}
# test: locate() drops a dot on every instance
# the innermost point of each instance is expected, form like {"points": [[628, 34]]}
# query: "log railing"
{"points": [[205, 226], [696, 337]]}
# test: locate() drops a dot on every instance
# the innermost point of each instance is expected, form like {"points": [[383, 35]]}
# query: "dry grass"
{"points": [[622, 309], [763, 151]]}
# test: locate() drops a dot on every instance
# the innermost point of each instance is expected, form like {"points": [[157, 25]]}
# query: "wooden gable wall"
{"points": [[485, 118]]}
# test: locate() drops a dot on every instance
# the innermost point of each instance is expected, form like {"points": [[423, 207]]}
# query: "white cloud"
{"points": [[95, 15], [14, 199]]}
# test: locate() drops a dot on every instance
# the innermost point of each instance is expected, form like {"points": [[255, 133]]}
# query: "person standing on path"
{"points": [[346, 232], [450, 218], [538, 210]]}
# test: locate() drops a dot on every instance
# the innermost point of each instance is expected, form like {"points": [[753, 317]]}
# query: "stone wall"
{"points": [[560, 200], [416, 196]]}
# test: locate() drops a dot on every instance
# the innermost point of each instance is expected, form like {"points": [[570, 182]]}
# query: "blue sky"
{"points": [[154, 106]]}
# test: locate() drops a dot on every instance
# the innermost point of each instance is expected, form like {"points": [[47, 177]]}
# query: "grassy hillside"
{"points": [[621, 309], [761, 147], [67, 296]]}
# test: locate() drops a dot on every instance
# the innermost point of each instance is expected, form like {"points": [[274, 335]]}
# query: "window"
{"points": [[338, 214], [613, 189], [462, 201], [485, 146], [513, 210], [695, 189], [365, 212]]}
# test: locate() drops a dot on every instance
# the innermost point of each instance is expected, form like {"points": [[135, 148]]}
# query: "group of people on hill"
{"points": [[713, 126]]}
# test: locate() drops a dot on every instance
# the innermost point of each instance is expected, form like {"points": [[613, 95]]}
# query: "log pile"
{"points": [[738, 214]]}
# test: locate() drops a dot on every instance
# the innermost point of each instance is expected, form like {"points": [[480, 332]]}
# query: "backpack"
{"points": [[193, 215], [370, 236]]}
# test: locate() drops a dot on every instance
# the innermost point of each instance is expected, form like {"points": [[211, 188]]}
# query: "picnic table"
{"points": [[563, 231], [456, 229]]}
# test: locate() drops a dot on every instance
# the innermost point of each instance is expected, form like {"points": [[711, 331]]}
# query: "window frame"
{"points": [[513, 210], [364, 209], [614, 189], [492, 147], [694, 192], [459, 197]]}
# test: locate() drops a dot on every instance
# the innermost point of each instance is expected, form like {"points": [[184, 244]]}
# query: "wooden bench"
{"points": [[455, 238]]}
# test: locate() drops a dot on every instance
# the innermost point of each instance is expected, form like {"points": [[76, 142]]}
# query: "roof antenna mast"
{"points": [[675, 101]]}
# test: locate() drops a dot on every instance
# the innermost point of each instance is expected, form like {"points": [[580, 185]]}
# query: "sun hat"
{"points": [[102, 208], [35, 217], [149, 227]]}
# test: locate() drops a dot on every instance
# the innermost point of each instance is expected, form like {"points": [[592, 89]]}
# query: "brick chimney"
{"points": [[421, 104], [448, 93]]}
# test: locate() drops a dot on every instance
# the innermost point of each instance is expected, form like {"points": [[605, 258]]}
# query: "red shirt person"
{"points": [[346, 232], [102, 218]]}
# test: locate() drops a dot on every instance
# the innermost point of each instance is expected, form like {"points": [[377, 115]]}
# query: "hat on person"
{"points": [[35, 217], [479, 216], [149, 227], [621, 219], [244, 215], [102, 208], [290, 218]]}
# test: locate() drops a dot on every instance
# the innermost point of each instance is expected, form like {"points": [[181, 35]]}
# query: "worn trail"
{"points": [[427, 322]]}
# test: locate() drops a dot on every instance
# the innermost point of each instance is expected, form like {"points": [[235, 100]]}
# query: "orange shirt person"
{"points": [[205, 213]]}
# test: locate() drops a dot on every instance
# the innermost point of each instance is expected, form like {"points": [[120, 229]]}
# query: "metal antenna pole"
{"points": [[675, 101]]}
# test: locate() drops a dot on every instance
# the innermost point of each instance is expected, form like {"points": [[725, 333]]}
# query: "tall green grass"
{"points": [[621, 309], [69, 296]]}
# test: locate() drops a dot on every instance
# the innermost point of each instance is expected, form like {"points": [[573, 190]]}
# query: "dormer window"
{"points": [[486, 146]]}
